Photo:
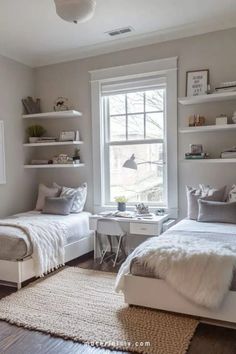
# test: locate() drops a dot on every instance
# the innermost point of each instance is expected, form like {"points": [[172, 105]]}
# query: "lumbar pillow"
{"points": [[44, 192], [232, 194], [203, 192], [210, 211], [57, 206], [79, 194]]}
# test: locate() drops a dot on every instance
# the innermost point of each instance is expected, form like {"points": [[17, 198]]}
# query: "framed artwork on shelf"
{"points": [[2, 155], [197, 82]]}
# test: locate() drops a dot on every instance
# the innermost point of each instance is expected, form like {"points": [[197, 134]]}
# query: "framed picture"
{"points": [[197, 82], [2, 155]]}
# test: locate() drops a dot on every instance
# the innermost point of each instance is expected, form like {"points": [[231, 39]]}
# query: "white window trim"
{"points": [[165, 67]]}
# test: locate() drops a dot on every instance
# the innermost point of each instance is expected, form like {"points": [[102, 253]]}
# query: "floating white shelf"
{"points": [[55, 143], [213, 97], [54, 115], [207, 128], [211, 160], [55, 166]]}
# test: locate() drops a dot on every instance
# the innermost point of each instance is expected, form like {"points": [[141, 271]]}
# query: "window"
{"points": [[134, 123], [134, 117]]}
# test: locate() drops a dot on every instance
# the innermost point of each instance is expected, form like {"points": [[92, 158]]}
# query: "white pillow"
{"points": [[44, 192], [79, 194], [232, 194]]}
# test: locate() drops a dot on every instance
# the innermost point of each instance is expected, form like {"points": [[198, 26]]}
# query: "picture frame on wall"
{"points": [[197, 82]]}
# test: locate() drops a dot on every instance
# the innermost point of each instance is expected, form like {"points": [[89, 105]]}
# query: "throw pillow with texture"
{"points": [[79, 194], [44, 192], [211, 211], [203, 192], [58, 205], [232, 194]]}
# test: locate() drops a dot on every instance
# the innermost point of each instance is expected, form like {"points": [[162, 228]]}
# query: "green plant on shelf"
{"points": [[35, 131]]}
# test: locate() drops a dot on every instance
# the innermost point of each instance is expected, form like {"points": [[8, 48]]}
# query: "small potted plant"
{"points": [[76, 157], [34, 132], [121, 203]]}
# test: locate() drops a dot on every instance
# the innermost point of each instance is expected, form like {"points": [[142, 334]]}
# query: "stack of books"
{"points": [[229, 154], [196, 156], [46, 139], [226, 87]]}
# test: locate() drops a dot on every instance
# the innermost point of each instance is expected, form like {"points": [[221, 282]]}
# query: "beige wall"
{"points": [[215, 51], [17, 81]]}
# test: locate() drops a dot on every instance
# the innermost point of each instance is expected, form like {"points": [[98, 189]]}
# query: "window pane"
{"points": [[135, 102], [146, 184], [154, 100], [154, 126], [136, 127], [118, 128], [117, 104]]}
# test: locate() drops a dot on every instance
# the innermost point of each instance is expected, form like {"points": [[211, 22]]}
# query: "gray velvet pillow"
{"points": [[203, 192], [58, 206], [210, 211]]}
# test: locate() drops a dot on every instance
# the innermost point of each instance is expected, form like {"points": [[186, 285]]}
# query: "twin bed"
{"points": [[203, 285], [16, 251]]}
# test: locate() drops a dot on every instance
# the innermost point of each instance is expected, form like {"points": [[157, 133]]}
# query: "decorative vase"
{"points": [[121, 206], [33, 139]]}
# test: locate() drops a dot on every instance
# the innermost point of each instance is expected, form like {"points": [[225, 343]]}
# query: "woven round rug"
{"points": [[81, 305]]}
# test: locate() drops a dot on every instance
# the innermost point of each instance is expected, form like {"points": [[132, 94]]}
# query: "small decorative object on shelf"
{"points": [[31, 106], [197, 82], [62, 104], [121, 203], [62, 159], [35, 132], [76, 157], [196, 152], [67, 136], [222, 120], [196, 148], [196, 121]]}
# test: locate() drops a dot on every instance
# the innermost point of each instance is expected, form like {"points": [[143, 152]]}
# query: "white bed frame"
{"points": [[157, 294], [19, 271]]}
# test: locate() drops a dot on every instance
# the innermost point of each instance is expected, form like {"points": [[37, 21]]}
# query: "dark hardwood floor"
{"points": [[14, 340]]}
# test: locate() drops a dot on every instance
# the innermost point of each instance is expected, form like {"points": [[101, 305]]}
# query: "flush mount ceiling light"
{"points": [[75, 10]]}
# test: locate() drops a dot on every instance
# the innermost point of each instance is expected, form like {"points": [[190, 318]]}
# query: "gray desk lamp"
{"points": [[133, 165]]}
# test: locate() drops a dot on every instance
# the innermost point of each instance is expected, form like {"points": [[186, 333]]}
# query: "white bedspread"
{"points": [[47, 238], [199, 264]]}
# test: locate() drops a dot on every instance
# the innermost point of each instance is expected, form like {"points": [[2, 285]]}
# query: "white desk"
{"points": [[132, 226]]}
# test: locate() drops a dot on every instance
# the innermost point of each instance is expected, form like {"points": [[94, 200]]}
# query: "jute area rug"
{"points": [[81, 305]]}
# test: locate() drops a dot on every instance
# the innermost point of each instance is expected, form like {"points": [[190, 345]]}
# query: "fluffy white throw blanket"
{"points": [[199, 266], [47, 239]]}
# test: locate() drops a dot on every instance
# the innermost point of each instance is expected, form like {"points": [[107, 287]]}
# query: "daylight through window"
{"points": [[134, 123]]}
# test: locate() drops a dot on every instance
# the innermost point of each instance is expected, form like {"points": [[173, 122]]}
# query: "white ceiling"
{"points": [[31, 32]]}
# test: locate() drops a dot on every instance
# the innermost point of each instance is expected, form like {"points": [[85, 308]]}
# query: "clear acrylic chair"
{"points": [[111, 229]]}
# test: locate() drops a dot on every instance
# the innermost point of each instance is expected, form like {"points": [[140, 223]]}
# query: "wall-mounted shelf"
{"points": [[207, 128], [55, 166], [210, 160], [53, 115], [55, 143], [213, 97]]}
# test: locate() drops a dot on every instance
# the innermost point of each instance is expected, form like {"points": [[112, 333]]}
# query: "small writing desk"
{"points": [[135, 226]]}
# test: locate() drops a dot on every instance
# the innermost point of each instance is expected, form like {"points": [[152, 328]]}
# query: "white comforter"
{"points": [[199, 264], [47, 238]]}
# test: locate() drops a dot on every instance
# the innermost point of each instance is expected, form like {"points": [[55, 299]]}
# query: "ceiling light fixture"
{"points": [[75, 10]]}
